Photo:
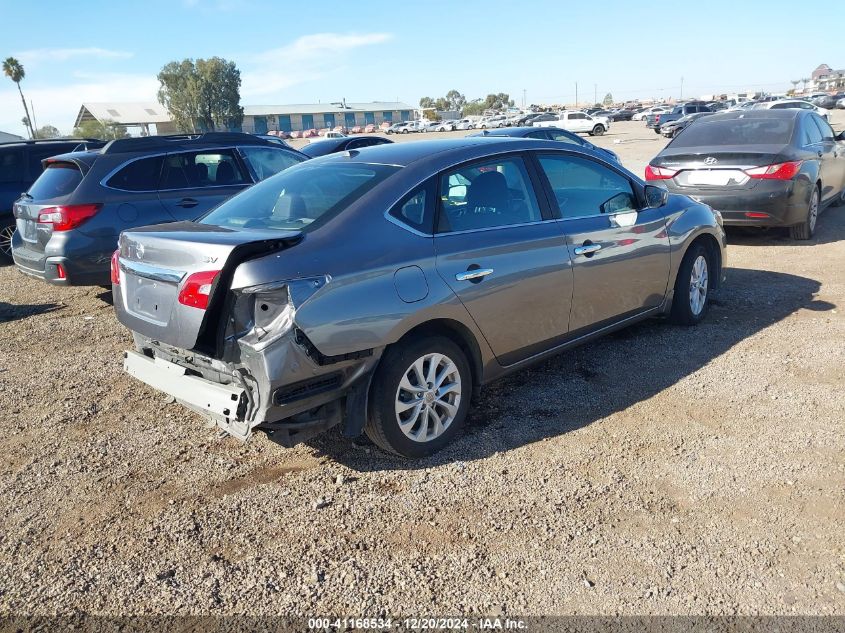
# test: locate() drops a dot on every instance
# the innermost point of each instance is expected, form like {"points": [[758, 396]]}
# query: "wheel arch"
{"points": [[455, 331], [711, 245]]}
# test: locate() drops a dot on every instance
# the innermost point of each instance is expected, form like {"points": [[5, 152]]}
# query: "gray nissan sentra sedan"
{"points": [[380, 288]]}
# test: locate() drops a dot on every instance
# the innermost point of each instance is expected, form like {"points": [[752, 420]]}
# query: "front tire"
{"points": [[598, 130], [807, 228], [692, 287], [7, 229], [420, 397]]}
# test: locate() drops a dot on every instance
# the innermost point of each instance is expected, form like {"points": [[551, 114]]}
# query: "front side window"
{"points": [[208, 168], [139, 175], [487, 195], [299, 198], [269, 161], [812, 133], [582, 187]]}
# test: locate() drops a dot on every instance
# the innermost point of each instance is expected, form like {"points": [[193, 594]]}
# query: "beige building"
{"points": [[143, 117]]}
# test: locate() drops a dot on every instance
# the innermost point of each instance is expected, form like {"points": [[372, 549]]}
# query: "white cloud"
{"points": [[40, 55], [59, 105], [305, 59]]}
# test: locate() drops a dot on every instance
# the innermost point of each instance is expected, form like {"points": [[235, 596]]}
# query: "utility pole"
{"points": [[523, 97], [682, 87], [576, 95], [595, 94]]}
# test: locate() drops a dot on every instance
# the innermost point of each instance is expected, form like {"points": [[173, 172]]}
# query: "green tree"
{"points": [[13, 69], [456, 100], [202, 95], [106, 130], [47, 131], [608, 99], [498, 101], [474, 107], [426, 102]]}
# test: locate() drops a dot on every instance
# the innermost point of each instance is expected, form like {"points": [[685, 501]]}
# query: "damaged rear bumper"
{"points": [[289, 390]]}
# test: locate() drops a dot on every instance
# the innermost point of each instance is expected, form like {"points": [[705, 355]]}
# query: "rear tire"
{"points": [[7, 229], [437, 416], [692, 287], [807, 228]]}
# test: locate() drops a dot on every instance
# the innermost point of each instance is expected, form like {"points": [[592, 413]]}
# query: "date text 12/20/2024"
{"points": [[416, 624]]}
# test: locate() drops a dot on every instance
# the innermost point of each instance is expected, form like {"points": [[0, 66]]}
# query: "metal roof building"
{"points": [[258, 119], [128, 114], [6, 137]]}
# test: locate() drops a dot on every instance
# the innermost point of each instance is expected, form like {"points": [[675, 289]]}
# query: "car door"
{"points": [[619, 251], [580, 122], [832, 169], [503, 255], [194, 182]]}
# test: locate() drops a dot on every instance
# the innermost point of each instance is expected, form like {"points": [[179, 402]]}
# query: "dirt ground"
{"points": [[661, 470]]}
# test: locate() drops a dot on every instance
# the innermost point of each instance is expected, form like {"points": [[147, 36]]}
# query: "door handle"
{"points": [[187, 203], [475, 274], [587, 249]]}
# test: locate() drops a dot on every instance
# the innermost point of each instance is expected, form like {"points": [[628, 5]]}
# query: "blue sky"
{"points": [[302, 52]]}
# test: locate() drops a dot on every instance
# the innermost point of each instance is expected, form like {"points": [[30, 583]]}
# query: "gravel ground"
{"points": [[661, 470]]}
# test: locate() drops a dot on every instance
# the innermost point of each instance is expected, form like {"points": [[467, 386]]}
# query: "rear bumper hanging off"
{"points": [[225, 403]]}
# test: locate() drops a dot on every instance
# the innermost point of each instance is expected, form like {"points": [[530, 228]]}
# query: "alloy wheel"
{"points": [[428, 397], [699, 279], [6, 233]]}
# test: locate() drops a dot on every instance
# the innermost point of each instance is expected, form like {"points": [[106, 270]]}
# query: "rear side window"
{"points": [[209, 168], [11, 165], [416, 209], [269, 161], [487, 195], [812, 133], [38, 154], [139, 175], [58, 180]]}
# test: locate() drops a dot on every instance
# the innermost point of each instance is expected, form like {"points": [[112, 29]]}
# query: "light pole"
{"points": [[576, 95], [595, 94], [682, 87], [523, 97]]}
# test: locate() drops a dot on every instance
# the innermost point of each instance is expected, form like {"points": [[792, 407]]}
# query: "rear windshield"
{"points": [[59, 179], [736, 132], [299, 196]]}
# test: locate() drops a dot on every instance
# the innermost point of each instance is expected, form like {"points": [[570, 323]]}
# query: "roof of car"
{"points": [[787, 113], [468, 147]]}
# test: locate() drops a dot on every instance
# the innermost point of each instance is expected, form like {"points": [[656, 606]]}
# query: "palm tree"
{"points": [[14, 71], [805, 82]]}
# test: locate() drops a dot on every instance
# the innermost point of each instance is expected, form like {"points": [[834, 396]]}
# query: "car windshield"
{"points": [[736, 132], [300, 198]]}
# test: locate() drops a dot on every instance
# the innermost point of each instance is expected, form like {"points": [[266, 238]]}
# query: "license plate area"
{"points": [[716, 177], [28, 230], [149, 299]]}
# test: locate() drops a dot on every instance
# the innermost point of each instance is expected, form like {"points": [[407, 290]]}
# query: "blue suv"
{"points": [[69, 220]]}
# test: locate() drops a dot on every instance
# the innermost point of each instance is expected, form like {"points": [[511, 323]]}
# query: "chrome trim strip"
{"points": [[151, 272]]}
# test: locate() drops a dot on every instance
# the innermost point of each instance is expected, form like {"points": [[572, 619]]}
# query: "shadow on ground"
{"points": [[12, 312], [596, 380]]}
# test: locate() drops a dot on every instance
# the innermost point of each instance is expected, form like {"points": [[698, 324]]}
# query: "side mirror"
{"points": [[841, 136], [655, 196]]}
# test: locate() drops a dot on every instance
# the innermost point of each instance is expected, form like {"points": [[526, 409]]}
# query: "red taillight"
{"points": [[657, 118], [658, 173], [755, 214], [67, 217], [197, 289], [778, 171], [115, 267]]}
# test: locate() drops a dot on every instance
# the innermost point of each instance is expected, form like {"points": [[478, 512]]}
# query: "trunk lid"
{"points": [[157, 261], [719, 168]]}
